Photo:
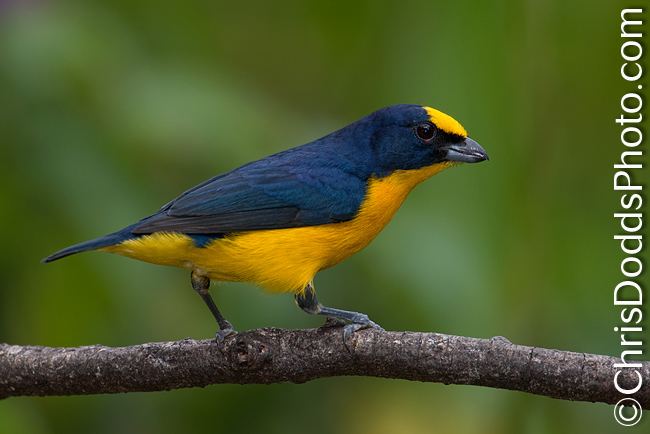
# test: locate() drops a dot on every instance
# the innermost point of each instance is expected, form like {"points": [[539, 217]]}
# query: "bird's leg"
{"points": [[201, 284], [308, 302]]}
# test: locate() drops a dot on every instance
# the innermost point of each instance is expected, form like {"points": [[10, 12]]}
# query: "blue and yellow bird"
{"points": [[278, 221]]}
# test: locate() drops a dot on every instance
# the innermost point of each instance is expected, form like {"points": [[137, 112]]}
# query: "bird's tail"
{"points": [[97, 243]]}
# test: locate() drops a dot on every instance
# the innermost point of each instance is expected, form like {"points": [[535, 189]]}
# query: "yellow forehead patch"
{"points": [[445, 122]]}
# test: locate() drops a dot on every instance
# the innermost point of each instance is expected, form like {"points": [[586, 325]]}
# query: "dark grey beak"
{"points": [[467, 151]]}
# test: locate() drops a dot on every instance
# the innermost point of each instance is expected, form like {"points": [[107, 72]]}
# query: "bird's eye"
{"points": [[425, 132]]}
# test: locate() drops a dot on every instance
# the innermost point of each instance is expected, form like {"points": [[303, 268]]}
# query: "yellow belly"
{"points": [[282, 260]]}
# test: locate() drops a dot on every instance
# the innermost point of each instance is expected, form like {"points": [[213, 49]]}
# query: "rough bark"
{"points": [[273, 356]]}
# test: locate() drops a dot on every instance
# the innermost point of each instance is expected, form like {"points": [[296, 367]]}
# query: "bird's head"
{"points": [[405, 137]]}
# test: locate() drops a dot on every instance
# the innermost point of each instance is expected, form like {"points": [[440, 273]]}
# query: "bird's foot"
{"points": [[358, 322], [225, 331]]}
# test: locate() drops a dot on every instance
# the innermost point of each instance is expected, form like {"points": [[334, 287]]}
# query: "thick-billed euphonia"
{"points": [[278, 221]]}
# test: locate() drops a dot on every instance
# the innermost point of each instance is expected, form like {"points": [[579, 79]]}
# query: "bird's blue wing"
{"points": [[283, 191]]}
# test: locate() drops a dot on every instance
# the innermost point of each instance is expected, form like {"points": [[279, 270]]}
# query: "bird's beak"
{"points": [[467, 151]]}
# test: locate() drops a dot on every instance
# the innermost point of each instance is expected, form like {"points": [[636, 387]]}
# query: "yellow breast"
{"points": [[283, 260]]}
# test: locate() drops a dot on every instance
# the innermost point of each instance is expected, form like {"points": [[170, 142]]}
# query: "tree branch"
{"points": [[274, 356]]}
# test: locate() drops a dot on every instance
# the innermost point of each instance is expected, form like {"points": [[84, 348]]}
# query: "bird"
{"points": [[278, 221]]}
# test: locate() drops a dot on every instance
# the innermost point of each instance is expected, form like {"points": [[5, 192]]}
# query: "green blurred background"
{"points": [[109, 109]]}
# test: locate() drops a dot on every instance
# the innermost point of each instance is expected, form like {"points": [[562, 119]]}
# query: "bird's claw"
{"points": [[224, 333], [359, 322]]}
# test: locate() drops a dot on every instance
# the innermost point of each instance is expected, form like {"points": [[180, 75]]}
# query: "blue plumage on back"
{"points": [[318, 183]]}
